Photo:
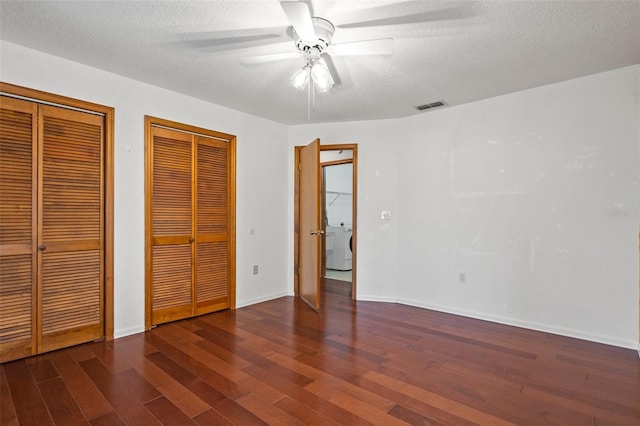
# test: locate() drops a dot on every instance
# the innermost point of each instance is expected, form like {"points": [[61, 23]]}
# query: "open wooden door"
{"points": [[310, 224]]}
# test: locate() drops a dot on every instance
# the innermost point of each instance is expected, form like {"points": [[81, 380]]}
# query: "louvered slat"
{"points": [[71, 266], [171, 187], [70, 290], [16, 172], [212, 275], [213, 199], [17, 200], [15, 298], [171, 276], [71, 179]]}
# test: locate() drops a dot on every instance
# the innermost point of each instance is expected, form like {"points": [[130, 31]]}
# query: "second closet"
{"points": [[190, 221]]}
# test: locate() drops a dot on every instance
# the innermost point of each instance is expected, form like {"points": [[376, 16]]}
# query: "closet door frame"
{"points": [[38, 96], [150, 123]]}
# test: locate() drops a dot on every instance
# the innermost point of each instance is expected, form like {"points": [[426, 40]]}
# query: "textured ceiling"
{"points": [[456, 51]]}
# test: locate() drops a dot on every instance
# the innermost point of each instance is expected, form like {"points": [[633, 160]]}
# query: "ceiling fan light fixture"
{"points": [[300, 78], [321, 76]]}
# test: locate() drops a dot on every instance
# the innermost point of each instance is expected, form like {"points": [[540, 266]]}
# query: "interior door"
{"points": [[212, 225], [70, 232], [310, 224], [18, 190], [171, 227]]}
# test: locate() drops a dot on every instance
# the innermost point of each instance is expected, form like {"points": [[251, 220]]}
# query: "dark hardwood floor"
{"points": [[354, 363]]}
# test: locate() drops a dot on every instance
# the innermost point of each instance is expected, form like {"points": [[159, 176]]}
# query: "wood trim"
{"points": [[109, 173], [354, 226], [161, 122], [296, 222], [336, 162], [232, 222], [194, 223], [323, 221], [109, 185], [148, 235], [38, 95], [35, 157]]}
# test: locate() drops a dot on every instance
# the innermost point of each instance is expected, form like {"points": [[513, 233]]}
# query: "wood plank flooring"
{"points": [[354, 363]]}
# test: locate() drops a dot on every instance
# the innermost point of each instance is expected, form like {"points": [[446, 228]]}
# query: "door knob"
{"points": [[42, 247], [191, 239], [316, 232]]}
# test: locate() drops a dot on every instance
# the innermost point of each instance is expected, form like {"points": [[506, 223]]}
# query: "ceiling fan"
{"points": [[312, 38]]}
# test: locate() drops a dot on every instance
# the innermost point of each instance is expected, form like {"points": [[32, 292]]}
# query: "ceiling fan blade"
{"points": [[262, 59], [221, 41], [383, 46], [232, 43], [300, 18], [332, 70], [396, 15]]}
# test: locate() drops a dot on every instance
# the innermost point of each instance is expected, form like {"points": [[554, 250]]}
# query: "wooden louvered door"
{"points": [[172, 225], [212, 225], [70, 231], [52, 233], [190, 227], [18, 213]]}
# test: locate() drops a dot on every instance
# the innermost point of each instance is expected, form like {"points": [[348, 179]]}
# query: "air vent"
{"points": [[431, 105]]}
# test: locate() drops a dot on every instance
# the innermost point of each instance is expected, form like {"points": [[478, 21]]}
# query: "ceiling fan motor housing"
{"points": [[324, 31]]}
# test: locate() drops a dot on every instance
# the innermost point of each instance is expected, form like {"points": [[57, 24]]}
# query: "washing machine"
{"points": [[338, 244]]}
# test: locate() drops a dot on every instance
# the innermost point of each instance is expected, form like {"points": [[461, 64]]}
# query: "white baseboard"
{"points": [[128, 331], [547, 328], [376, 298], [253, 301], [140, 328]]}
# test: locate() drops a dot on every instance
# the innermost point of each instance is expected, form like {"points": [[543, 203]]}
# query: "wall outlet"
{"points": [[255, 269], [386, 215], [462, 277]]}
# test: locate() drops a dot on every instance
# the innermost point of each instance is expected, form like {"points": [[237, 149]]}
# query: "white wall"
{"points": [[377, 253], [533, 195], [262, 167], [339, 190]]}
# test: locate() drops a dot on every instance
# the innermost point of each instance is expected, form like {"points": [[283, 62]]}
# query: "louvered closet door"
{"points": [[70, 231], [212, 225], [17, 224], [172, 226]]}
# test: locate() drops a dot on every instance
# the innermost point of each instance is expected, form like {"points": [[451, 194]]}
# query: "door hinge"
{"points": [[299, 166]]}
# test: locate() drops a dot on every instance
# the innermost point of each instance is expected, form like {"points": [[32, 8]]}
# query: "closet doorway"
{"points": [[330, 155]]}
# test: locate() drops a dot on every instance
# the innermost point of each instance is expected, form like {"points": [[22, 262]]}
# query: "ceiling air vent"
{"points": [[431, 105]]}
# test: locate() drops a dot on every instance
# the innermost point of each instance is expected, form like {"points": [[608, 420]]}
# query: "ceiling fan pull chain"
{"points": [[309, 84]]}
